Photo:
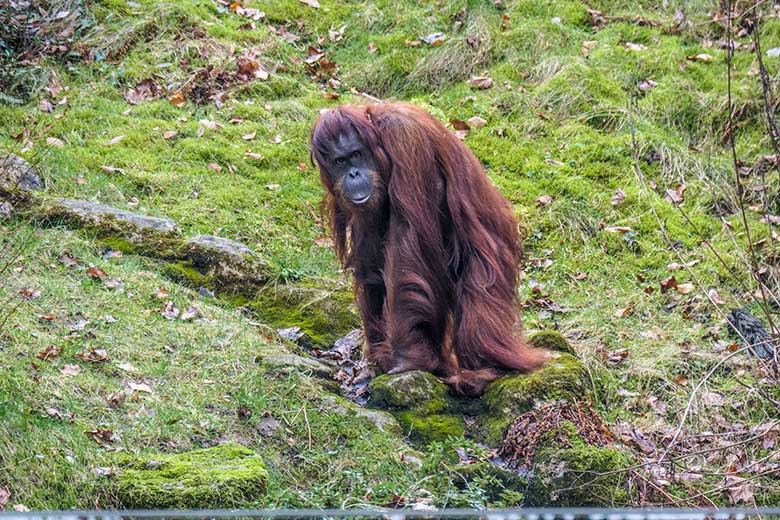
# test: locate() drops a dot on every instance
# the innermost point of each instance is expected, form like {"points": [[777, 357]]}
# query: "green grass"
{"points": [[559, 123]]}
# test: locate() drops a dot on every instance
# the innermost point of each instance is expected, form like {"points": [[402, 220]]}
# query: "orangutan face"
{"points": [[352, 169]]}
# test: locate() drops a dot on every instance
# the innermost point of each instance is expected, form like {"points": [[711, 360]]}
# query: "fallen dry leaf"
{"points": [[677, 194], [53, 141], [668, 284], [215, 167], [50, 352], [713, 399], [251, 135], [433, 39], [114, 140], [190, 314], [700, 57], [481, 82], [674, 266], [139, 387], [685, 288], [618, 197], [96, 273], [544, 200], [458, 124], [617, 229], [635, 46], [70, 370], [169, 134], [5, 496], [715, 297], [740, 490], [177, 99], [476, 122], [311, 3], [587, 45], [169, 310]]}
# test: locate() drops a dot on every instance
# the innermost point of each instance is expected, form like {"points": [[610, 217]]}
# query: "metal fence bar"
{"points": [[404, 514]]}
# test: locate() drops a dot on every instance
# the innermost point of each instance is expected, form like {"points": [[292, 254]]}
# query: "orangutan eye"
{"points": [[339, 161], [356, 154]]}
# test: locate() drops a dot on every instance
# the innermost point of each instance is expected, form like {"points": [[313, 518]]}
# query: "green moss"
{"points": [[323, 315], [570, 472], [563, 377], [186, 272], [228, 475], [551, 340], [415, 390], [423, 429]]}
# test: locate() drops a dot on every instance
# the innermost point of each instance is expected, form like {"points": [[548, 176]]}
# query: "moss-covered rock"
{"points": [[408, 390], [18, 174], [323, 310], [224, 476], [285, 362], [570, 472], [423, 429], [551, 340], [129, 231], [421, 404], [563, 377], [383, 421], [228, 264]]}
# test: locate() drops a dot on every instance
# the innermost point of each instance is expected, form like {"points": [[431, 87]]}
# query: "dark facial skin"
{"points": [[351, 166]]}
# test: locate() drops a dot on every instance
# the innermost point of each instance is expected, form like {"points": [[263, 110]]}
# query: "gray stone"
{"points": [[94, 214], [220, 246], [231, 264], [17, 174], [300, 363], [383, 421], [5, 210]]}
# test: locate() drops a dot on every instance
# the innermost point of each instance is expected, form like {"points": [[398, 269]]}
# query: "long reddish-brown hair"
{"points": [[451, 231]]}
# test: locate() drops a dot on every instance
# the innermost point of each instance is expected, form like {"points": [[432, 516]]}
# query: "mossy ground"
{"points": [[227, 475], [558, 123]]}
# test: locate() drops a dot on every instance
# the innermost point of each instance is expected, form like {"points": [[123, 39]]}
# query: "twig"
{"points": [[308, 426], [738, 181], [687, 411]]}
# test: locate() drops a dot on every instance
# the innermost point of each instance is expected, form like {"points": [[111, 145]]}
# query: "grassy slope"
{"points": [[558, 124]]}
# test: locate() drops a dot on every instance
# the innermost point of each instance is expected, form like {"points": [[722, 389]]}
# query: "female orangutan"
{"points": [[432, 244]]}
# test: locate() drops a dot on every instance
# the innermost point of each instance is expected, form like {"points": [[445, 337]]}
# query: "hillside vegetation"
{"points": [[605, 123]]}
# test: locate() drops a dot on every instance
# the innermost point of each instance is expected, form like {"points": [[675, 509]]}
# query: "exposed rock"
{"points": [[267, 426], [6, 210], [551, 340], [97, 214], [382, 420], [230, 264], [574, 473], [300, 363], [214, 245], [17, 174], [225, 476], [124, 229], [562, 378]]}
